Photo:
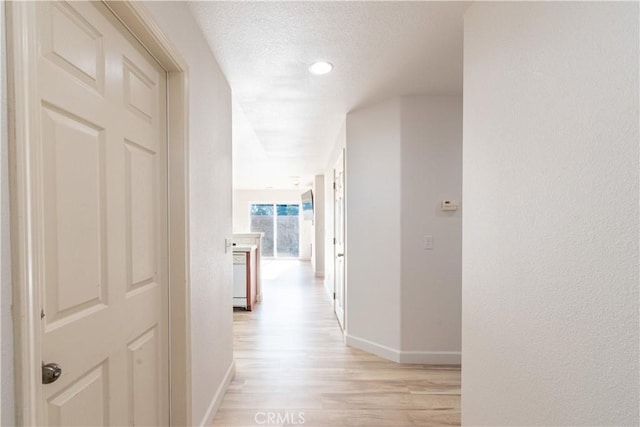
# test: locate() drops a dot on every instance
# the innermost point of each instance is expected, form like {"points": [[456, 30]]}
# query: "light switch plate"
{"points": [[428, 242]]}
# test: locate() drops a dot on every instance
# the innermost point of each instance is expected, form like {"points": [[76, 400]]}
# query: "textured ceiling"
{"points": [[286, 119]]}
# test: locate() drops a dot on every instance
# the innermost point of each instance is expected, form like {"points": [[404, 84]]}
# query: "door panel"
{"points": [[74, 198], [102, 178], [83, 403], [143, 361], [141, 227], [71, 42], [139, 90], [339, 246]]}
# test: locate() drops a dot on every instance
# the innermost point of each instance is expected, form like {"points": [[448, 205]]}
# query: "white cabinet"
{"points": [[244, 276]]}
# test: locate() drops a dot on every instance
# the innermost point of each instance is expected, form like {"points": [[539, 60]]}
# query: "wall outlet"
{"points": [[449, 205]]}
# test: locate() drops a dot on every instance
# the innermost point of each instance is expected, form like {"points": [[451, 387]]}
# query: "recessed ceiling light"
{"points": [[320, 67]]}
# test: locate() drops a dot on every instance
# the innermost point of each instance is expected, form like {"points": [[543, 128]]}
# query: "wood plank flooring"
{"points": [[293, 367]]}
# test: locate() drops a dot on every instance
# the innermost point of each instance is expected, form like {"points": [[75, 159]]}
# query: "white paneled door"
{"points": [[339, 244], [102, 173]]}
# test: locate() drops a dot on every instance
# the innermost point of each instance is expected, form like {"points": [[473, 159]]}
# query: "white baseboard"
{"points": [[431, 357], [207, 420], [399, 356], [373, 348], [259, 297]]}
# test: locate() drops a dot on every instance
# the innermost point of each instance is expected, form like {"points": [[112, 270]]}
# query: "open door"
{"points": [[338, 233]]}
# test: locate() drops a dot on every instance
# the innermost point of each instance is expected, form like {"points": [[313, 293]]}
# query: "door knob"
{"points": [[340, 255], [50, 373]]}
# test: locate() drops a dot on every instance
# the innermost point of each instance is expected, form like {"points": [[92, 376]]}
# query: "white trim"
{"points": [[399, 356], [207, 420], [21, 55], [340, 312], [373, 348], [431, 357]]}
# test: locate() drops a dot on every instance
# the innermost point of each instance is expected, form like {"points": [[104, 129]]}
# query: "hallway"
{"points": [[294, 369]]}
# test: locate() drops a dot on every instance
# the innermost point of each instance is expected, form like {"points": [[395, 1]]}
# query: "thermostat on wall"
{"points": [[449, 205]]}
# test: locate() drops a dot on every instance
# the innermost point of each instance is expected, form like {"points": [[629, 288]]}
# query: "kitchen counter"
{"points": [[244, 248], [248, 239]]}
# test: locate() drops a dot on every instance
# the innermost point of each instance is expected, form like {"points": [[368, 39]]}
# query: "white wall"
{"points": [[242, 200], [431, 279], [404, 156], [373, 233], [7, 411], [317, 244], [210, 207], [550, 251]]}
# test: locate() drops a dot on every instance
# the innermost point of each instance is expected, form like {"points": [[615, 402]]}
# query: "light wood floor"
{"points": [[292, 363]]}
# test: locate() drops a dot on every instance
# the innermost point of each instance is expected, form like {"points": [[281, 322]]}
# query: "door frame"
{"points": [[343, 325], [23, 123]]}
